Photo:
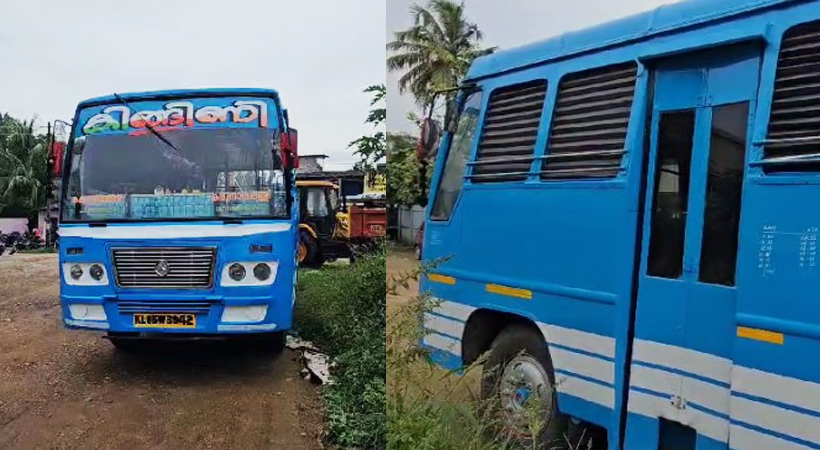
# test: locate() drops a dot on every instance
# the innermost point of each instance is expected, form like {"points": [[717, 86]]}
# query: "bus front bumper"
{"points": [[178, 316]]}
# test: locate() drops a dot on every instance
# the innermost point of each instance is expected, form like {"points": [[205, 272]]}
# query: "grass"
{"points": [[429, 408], [342, 310], [38, 251]]}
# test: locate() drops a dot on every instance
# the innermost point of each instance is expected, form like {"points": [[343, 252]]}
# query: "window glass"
{"points": [[452, 178], [671, 193], [316, 205], [718, 253]]}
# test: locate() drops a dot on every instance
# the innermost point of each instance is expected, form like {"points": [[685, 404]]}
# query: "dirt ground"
{"points": [[62, 389], [400, 261]]}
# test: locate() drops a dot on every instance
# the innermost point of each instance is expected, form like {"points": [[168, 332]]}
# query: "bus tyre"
{"points": [[272, 343], [126, 345], [308, 251], [518, 387]]}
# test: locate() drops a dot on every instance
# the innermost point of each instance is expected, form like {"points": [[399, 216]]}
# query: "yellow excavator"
{"points": [[332, 227]]}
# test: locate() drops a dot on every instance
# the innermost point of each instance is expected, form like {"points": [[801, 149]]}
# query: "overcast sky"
{"points": [[506, 24], [318, 54]]}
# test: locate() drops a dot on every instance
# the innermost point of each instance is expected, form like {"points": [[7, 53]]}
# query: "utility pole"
{"points": [[50, 156]]}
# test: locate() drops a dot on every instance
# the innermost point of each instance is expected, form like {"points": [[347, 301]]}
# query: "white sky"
{"points": [[318, 54], [507, 24]]}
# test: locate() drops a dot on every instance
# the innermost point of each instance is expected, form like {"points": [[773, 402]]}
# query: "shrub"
{"points": [[342, 310]]}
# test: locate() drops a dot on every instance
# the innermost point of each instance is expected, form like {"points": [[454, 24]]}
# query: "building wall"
{"points": [[8, 225]]}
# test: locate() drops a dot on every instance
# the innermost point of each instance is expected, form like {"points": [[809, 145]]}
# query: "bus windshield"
{"points": [[200, 173]]}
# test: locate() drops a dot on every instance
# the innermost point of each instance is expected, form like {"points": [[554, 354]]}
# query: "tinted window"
{"points": [[718, 254], [671, 193], [449, 186]]}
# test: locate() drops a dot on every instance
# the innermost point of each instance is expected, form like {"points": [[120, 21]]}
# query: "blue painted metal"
{"points": [[580, 246], [232, 247], [180, 94]]}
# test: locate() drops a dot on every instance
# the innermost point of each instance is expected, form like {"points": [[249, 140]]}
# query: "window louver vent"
{"points": [[590, 122], [507, 145], [794, 124]]}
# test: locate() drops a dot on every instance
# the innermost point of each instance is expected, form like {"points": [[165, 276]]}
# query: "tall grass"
{"points": [[342, 310], [429, 408]]}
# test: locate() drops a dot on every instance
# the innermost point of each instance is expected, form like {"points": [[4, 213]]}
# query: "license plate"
{"points": [[165, 320], [376, 229]]}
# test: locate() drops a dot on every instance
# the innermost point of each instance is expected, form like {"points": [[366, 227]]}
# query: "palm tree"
{"points": [[436, 51], [23, 167]]}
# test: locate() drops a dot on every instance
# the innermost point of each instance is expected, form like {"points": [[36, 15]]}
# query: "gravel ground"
{"points": [[62, 389]]}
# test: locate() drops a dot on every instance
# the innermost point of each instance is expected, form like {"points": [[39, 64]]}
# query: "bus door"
{"points": [[685, 308]]}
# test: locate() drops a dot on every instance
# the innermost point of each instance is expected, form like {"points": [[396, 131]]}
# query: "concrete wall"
{"points": [[408, 222]]}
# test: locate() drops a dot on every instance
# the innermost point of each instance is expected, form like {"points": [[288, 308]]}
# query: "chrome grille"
{"points": [[187, 267], [156, 306]]}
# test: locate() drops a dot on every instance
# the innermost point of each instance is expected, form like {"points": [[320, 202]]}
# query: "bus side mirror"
{"points": [[79, 145], [428, 140], [290, 148], [451, 117]]}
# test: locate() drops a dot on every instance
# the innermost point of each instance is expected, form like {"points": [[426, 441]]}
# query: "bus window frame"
{"points": [[465, 94]]}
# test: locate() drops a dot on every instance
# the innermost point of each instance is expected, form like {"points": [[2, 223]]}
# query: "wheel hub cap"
{"points": [[526, 396]]}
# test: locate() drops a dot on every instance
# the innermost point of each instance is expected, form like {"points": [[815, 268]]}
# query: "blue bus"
{"points": [[627, 222], [179, 217]]}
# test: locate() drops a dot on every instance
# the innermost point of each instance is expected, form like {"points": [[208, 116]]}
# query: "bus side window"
{"points": [[671, 194], [449, 186]]}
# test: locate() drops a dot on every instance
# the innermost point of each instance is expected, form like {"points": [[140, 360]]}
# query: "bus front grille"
{"points": [[164, 267]]}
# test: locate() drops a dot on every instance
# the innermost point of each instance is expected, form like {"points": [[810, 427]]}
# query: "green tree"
{"points": [[23, 169], [372, 148], [436, 51], [402, 170]]}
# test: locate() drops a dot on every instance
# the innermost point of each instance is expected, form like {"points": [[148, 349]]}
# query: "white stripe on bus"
{"points": [[707, 395], [652, 406], [443, 343], [454, 310], [586, 390], [742, 438], [781, 420], [581, 340], [584, 365], [444, 325], [171, 231], [778, 388], [687, 360]]}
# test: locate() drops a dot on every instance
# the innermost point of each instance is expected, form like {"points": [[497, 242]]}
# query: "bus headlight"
{"points": [[85, 274], [239, 273], [96, 271], [236, 272], [261, 271]]}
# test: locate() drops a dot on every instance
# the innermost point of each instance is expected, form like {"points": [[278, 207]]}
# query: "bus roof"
{"points": [[664, 19], [149, 95]]}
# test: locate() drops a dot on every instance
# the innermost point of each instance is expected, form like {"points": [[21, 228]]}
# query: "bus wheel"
{"points": [[518, 387], [125, 345], [272, 343]]}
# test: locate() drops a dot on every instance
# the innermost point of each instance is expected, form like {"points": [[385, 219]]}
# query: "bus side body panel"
{"points": [[562, 255]]}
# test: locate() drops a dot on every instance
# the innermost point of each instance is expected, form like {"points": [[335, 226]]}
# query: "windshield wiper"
{"points": [[176, 157], [147, 125]]}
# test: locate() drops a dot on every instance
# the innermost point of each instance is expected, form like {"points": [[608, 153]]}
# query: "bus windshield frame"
{"points": [[177, 177]]}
